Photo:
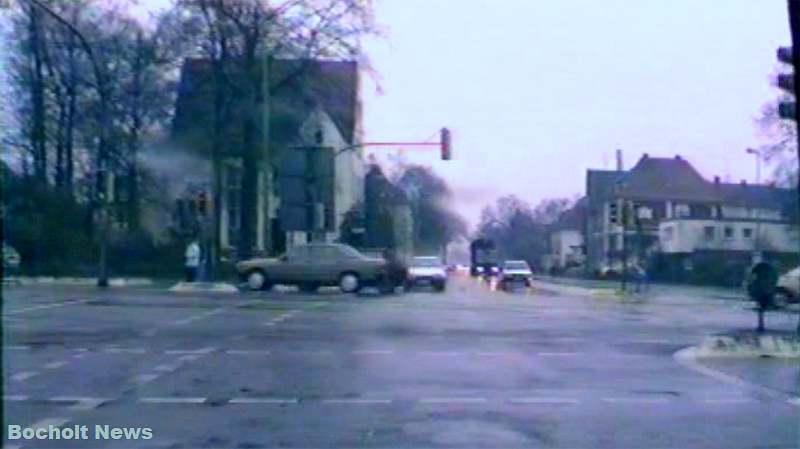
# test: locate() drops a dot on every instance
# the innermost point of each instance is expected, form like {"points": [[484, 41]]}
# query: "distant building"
{"points": [[567, 248], [682, 218], [308, 103]]}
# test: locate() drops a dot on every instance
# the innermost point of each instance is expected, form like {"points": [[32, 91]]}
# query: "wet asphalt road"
{"points": [[467, 368]]}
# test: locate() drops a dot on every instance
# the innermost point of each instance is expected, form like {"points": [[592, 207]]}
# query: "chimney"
{"points": [[743, 182], [716, 180], [645, 156], [620, 167], [678, 157]]}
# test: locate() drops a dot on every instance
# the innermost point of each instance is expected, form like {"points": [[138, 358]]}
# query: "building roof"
{"points": [[572, 218], [674, 179], [296, 88]]}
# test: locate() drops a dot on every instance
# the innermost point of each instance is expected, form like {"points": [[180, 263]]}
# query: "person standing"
{"points": [[761, 288], [192, 260]]}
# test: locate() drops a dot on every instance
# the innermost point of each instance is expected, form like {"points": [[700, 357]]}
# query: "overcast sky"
{"points": [[536, 92]]}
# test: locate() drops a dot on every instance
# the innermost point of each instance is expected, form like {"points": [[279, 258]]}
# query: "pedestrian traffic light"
{"points": [[202, 203], [786, 81], [613, 212], [445, 139]]}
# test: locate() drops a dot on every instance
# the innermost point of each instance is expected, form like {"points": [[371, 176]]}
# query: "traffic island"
{"points": [[778, 344], [198, 287]]}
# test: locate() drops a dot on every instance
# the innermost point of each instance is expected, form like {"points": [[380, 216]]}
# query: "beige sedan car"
{"points": [[322, 264]]}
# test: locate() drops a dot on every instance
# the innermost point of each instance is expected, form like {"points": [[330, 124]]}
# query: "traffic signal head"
{"points": [[202, 203], [786, 82], [785, 55], [445, 139]]}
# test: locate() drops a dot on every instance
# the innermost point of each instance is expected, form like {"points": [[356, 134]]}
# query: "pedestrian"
{"points": [[192, 260], [761, 285]]}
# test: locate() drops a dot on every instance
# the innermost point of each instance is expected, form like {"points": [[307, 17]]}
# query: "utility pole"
{"points": [[625, 217]]}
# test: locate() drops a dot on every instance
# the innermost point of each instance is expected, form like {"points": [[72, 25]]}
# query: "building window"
{"points": [[747, 233], [669, 232], [728, 232], [708, 232], [682, 211]]}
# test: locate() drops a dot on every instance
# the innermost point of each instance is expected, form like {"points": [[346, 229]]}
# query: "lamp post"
{"points": [[757, 241]]}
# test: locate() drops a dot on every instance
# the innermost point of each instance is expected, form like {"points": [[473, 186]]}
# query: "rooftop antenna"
{"points": [[620, 166]]}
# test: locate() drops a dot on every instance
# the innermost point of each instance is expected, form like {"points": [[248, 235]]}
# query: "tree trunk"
{"points": [[38, 135]]}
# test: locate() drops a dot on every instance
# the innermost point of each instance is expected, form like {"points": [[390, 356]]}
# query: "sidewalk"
{"points": [[82, 281]]}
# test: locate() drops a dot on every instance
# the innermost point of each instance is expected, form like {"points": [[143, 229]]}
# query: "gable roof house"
{"points": [[670, 208], [311, 119]]}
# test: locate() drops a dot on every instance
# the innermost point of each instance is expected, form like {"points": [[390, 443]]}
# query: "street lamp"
{"points": [[757, 242]]}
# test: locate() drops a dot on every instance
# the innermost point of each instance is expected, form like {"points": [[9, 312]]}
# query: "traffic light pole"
{"points": [[794, 27]]}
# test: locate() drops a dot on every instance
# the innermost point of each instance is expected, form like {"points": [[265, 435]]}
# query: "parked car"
{"points": [[11, 258], [322, 264], [515, 272], [788, 287], [426, 270]]}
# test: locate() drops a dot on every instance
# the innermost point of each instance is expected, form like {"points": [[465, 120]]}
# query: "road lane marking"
{"points": [[82, 403], [441, 353], [559, 354], [247, 352], [263, 401], [727, 400], [114, 350], [55, 365], [46, 306], [199, 316], [636, 400], [172, 400], [309, 353], [144, 378], [372, 352], [23, 376], [206, 350], [16, 348], [16, 398], [544, 400], [365, 401], [45, 423], [495, 354], [166, 368], [452, 400]]}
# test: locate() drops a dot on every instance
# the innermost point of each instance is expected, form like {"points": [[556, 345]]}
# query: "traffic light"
{"points": [[104, 185], [201, 202], [613, 213], [787, 109], [445, 139]]}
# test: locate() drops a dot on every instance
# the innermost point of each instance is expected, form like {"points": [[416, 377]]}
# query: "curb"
{"points": [[50, 280], [196, 287], [687, 358]]}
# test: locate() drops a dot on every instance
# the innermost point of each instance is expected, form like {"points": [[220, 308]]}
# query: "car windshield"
{"points": [[426, 262], [515, 265]]}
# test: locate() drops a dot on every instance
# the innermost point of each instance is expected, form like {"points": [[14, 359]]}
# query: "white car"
{"points": [[789, 285], [426, 270], [515, 272]]}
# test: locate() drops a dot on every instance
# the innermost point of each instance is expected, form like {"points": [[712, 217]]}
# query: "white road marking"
{"points": [[356, 401], [495, 354], [452, 400], [636, 400], [441, 353], [82, 402], [270, 323], [199, 316], [794, 401], [55, 365], [263, 401], [189, 357], [373, 352], [125, 350], [15, 398], [544, 400], [310, 353], [45, 423], [46, 306], [559, 354], [23, 376], [247, 352], [727, 400], [144, 378], [206, 350], [166, 368], [652, 341], [172, 400], [16, 348]]}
